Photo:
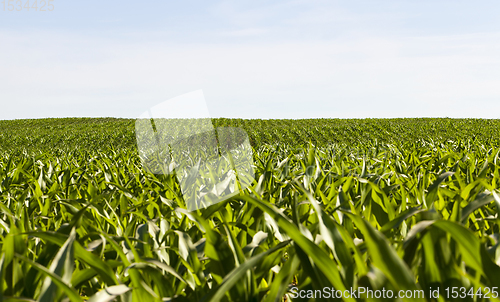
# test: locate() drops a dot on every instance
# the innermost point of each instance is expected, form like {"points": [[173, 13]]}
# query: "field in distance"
{"points": [[92, 134], [397, 205]]}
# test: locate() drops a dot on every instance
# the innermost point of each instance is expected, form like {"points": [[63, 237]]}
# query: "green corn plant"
{"points": [[395, 204]]}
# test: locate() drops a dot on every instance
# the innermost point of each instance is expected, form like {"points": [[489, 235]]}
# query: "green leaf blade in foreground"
{"points": [[109, 293], [385, 257], [472, 250], [327, 266], [101, 267], [62, 266], [70, 292], [240, 271]]}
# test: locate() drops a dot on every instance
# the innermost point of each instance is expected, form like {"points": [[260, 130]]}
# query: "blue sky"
{"points": [[253, 59]]}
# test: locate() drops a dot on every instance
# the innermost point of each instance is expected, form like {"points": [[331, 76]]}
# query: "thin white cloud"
{"points": [[47, 74], [247, 32]]}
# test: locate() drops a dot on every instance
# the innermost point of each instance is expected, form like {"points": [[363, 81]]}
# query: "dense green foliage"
{"points": [[101, 134], [386, 204]]}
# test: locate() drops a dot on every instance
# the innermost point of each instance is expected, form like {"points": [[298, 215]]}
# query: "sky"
{"points": [[252, 59]]}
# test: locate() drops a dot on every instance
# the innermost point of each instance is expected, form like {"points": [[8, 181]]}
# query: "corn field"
{"points": [[401, 205]]}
